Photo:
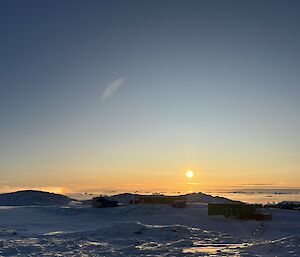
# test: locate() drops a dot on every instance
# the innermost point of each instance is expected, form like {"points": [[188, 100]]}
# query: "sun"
{"points": [[189, 173]]}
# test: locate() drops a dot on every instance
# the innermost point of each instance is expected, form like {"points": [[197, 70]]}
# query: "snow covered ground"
{"points": [[143, 230]]}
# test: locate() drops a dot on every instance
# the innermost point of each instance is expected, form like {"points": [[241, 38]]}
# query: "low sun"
{"points": [[189, 173]]}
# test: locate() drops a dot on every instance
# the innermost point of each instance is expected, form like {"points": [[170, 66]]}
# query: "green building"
{"points": [[241, 211]]}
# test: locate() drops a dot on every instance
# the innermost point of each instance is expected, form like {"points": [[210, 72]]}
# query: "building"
{"points": [[241, 211], [238, 210], [262, 216], [102, 202], [179, 204], [157, 199]]}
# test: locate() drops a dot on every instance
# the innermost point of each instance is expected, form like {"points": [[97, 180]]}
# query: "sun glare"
{"points": [[189, 173]]}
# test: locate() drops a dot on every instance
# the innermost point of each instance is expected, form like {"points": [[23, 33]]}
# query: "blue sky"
{"points": [[135, 90]]}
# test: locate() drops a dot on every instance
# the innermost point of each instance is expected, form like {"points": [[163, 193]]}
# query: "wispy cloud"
{"points": [[112, 88], [259, 184]]}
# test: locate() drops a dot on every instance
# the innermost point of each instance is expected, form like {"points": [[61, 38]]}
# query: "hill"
{"points": [[195, 197], [204, 198], [34, 197], [41, 198]]}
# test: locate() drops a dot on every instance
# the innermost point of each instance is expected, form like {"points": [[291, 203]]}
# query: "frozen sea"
{"points": [[261, 196]]}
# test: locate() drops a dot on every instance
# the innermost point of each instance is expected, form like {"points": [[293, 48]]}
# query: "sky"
{"points": [[128, 95]]}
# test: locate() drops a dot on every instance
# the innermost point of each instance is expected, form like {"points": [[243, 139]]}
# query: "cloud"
{"points": [[258, 184], [112, 88]]}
